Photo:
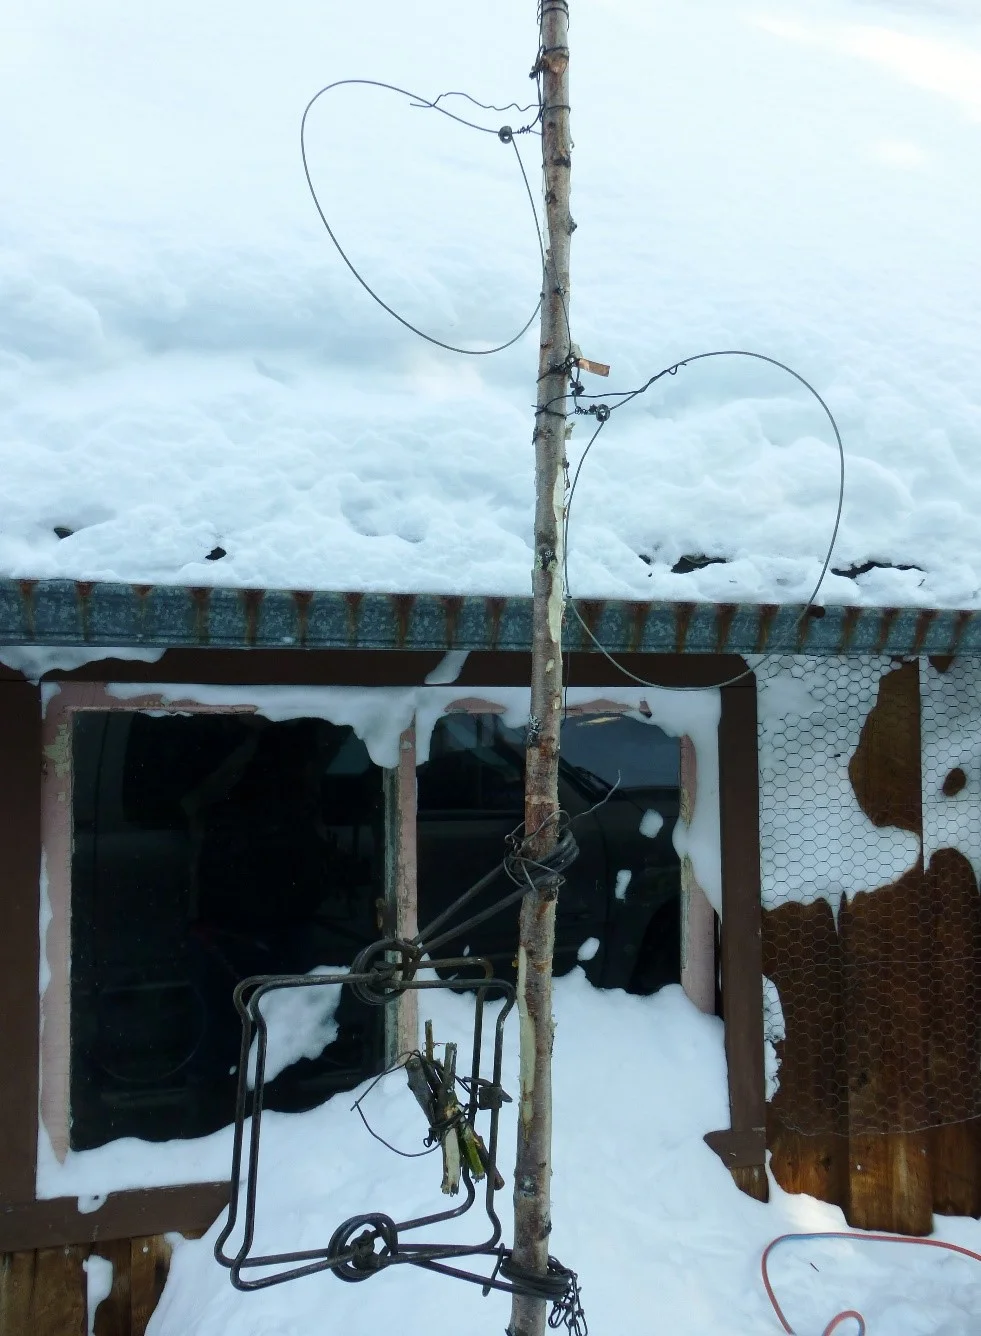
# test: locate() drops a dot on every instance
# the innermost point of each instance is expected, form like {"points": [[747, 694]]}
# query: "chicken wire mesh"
{"points": [[870, 841]]}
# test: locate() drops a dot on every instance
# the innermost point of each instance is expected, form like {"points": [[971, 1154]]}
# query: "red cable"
{"points": [[859, 1238]]}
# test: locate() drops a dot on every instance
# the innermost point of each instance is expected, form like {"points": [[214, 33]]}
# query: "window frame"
{"points": [[27, 1222], [57, 838], [698, 918]]}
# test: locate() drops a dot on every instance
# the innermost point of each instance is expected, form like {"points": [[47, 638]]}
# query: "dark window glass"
{"points": [[475, 764], [207, 848], [619, 778]]}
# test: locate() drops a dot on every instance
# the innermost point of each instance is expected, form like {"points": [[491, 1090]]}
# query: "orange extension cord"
{"points": [[836, 1322]]}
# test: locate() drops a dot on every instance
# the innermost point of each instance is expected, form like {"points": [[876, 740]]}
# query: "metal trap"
{"points": [[371, 1242]]}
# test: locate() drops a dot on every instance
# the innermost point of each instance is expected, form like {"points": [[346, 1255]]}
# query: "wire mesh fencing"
{"points": [[870, 833]]}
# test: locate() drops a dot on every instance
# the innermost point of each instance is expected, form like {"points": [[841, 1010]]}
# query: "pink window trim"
{"points": [[56, 842]]}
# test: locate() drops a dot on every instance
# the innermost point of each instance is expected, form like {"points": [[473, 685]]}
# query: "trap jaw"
{"points": [[368, 1243]]}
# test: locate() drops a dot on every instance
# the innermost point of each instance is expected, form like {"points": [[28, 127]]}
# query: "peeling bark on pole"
{"points": [[533, 1168]]}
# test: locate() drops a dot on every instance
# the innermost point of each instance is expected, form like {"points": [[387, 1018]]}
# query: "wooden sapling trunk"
{"points": [[532, 1222]]}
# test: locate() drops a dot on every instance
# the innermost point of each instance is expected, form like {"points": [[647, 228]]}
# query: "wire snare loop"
{"points": [[506, 136], [604, 411]]}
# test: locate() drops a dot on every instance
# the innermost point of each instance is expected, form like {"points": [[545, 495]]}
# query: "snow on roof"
{"points": [[188, 369]]}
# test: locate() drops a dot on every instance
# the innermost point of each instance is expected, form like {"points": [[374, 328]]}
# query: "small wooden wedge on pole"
{"points": [[533, 1167]]}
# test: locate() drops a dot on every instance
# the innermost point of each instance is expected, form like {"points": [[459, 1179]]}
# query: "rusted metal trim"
{"points": [[452, 610], [638, 622], [682, 625], [354, 602], [849, 625], [495, 615], [302, 598], [63, 612], [402, 605], [252, 605], [923, 624], [591, 611], [27, 590], [83, 590], [724, 614], [814, 612], [201, 601], [887, 618], [961, 624], [768, 613]]}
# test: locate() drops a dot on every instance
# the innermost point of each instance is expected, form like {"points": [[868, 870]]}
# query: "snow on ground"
{"points": [[185, 363], [643, 1210]]}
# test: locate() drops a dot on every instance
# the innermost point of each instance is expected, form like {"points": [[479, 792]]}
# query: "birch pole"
{"points": [[533, 1167]]}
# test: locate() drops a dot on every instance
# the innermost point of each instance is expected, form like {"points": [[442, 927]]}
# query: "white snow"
{"points": [[300, 1023], [378, 715], [815, 840], [620, 887], [448, 669], [646, 1214], [186, 364], [91, 1201], [90, 1175], [950, 738], [774, 1030], [588, 949], [98, 1278], [651, 823], [36, 660]]}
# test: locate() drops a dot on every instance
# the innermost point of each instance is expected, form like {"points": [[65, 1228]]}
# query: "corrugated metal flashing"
{"points": [[64, 612]]}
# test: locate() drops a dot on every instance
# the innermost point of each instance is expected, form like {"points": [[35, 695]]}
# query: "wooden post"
{"points": [[742, 1146], [532, 1220], [398, 917]]}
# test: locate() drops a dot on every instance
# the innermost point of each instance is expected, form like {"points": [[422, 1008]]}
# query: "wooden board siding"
{"points": [[881, 1063], [955, 1034], [887, 1011], [44, 1292], [802, 958]]}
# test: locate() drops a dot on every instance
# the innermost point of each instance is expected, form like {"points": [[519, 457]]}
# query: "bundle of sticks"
{"points": [[433, 1083]]}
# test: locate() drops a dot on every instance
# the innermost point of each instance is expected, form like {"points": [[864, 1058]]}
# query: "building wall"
{"points": [[44, 1244], [109, 1289], [870, 826], [861, 877]]}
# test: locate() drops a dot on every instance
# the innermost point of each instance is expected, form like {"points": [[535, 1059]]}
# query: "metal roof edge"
{"points": [[68, 612]]}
